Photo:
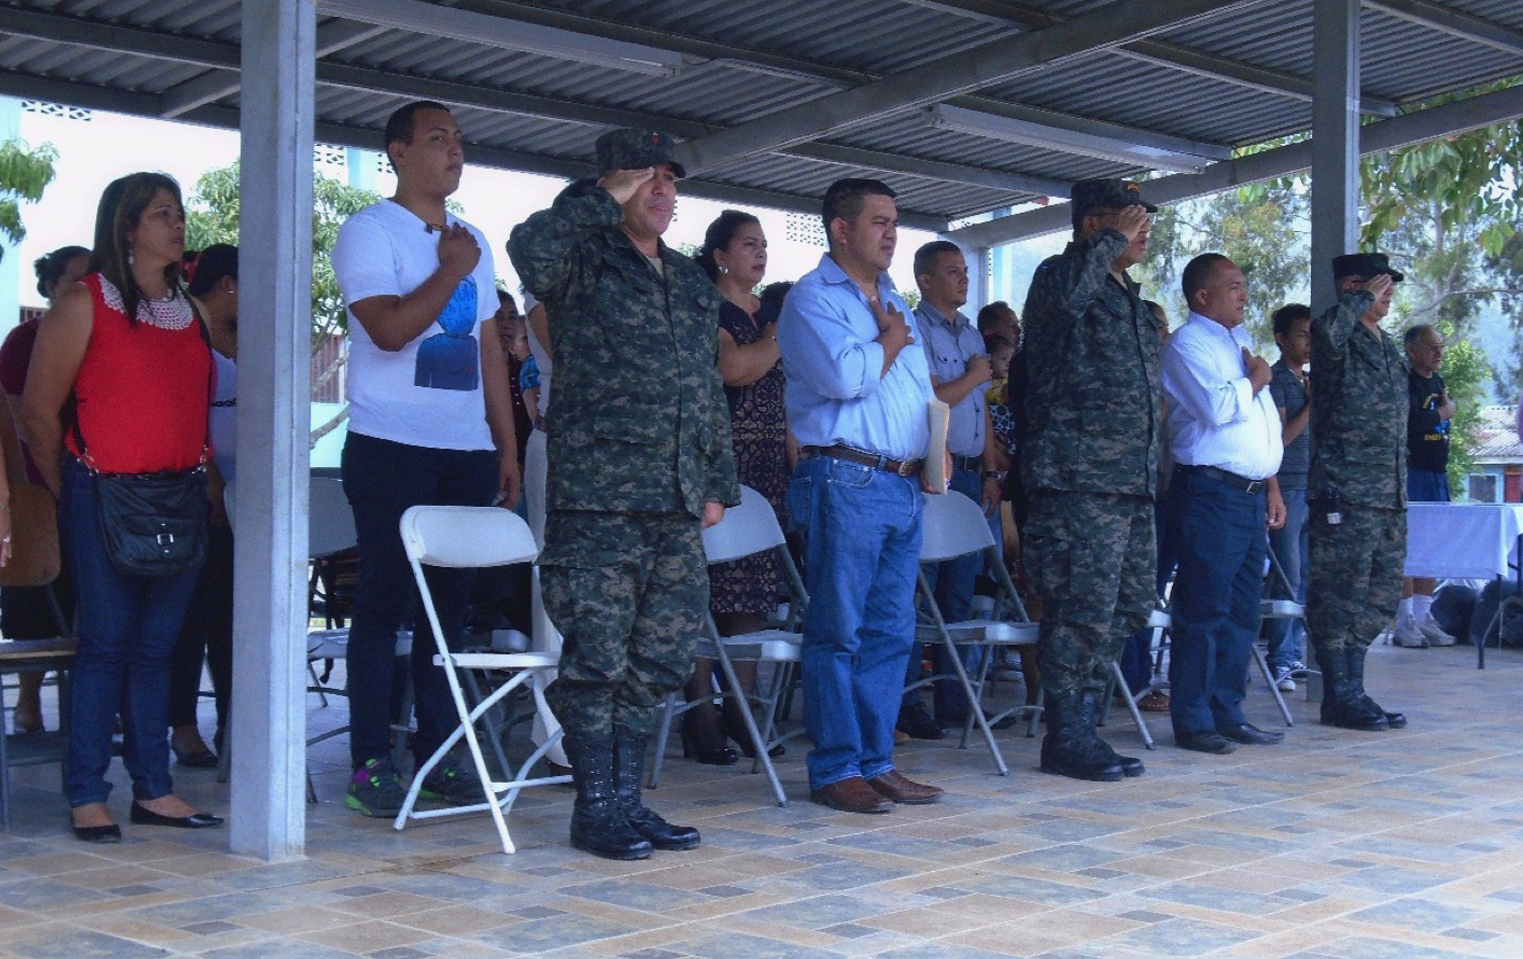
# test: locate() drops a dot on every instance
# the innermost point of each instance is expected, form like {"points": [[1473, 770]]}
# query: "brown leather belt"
{"points": [[905, 468]]}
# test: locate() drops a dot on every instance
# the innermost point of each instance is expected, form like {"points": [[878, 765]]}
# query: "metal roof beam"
{"points": [[118, 38], [1455, 117], [1454, 22], [1162, 52], [1183, 157], [181, 98], [431, 19], [964, 72], [363, 78]]}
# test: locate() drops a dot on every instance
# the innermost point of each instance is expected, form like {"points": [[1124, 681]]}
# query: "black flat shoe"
{"points": [[1209, 741], [147, 817], [200, 759], [101, 835], [693, 749]]}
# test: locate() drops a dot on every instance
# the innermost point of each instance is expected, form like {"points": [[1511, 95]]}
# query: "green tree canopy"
{"points": [[24, 174]]}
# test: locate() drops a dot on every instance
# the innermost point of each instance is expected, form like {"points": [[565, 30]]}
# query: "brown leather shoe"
{"points": [[851, 795], [895, 787]]}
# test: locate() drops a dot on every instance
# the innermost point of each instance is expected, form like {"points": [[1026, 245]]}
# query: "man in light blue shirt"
{"points": [[1224, 435], [960, 370], [856, 395]]}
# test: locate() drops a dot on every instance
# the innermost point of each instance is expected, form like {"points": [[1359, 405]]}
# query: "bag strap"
{"points": [[211, 379]]}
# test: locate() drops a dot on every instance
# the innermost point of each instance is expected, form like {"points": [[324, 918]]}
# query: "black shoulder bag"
{"points": [[154, 524]]}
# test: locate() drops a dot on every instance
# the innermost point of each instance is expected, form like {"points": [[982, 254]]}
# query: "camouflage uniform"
{"points": [[639, 441], [1090, 461], [1359, 429]]}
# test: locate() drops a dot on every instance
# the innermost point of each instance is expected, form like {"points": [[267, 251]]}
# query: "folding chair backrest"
{"points": [[330, 521], [466, 536], [746, 529], [954, 526]]}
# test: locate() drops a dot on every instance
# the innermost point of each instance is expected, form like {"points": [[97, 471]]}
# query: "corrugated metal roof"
{"points": [[742, 63]]}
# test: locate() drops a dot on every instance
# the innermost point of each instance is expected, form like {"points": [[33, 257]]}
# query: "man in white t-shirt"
{"points": [[430, 422]]}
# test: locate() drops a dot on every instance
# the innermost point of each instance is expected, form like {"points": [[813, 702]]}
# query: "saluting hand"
{"points": [[1377, 284], [458, 250], [623, 183], [1131, 220]]}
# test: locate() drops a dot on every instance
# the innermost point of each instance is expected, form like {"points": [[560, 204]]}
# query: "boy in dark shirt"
{"points": [[1428, 417]]}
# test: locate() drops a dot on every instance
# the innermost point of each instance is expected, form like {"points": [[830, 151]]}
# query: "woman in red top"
{"points": [[123, 343]]}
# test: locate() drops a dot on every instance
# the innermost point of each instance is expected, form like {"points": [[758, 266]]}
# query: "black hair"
{"points": [[772, 296], [1198, 273], [718, 236], [1155, 307], [991, 315], [1286, 316], [925, 257], [51, 267], [121, 207], [400, 125], [844, 199], [204, 269], [503, 296], [996, 343]]}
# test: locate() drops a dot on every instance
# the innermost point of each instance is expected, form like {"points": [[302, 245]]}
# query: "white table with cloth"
{"points": [[1463, 541]]}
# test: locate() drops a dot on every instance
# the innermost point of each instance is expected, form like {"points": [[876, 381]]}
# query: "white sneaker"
{"points": [[1283, 681], [1435, 634], [1407, 634]]}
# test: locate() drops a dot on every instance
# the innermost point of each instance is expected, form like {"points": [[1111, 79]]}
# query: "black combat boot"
{"points": [[1071, 747], [597, 824], [628, 770], [1340, 707], [1089, 717], [1355, 657]]}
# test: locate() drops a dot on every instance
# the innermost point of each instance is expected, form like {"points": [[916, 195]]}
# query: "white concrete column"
{"points": [[1335, 143], [269, 718]]}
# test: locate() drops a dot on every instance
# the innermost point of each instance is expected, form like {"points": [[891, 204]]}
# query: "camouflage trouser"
{"points": [[629, 592], [1354, 575], [1093, 560]]}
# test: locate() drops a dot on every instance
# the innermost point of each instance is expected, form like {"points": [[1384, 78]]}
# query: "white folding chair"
{"points": [[747, 530], [471, 537], [955, 526]]}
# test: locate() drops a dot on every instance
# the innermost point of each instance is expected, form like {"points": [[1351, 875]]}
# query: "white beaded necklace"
{"points": [[170, 313]]}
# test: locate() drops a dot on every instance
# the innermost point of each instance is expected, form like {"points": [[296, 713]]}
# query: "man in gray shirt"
{"points": [[1291, 392]]}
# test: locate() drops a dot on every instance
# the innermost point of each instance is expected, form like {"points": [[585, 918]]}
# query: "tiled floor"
{"points": [[1337, 845]]}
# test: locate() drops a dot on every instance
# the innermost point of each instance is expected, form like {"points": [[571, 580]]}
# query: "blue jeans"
{"points": [[127, 627], [382, 480], [1216, 598], [862, 531], [951, 583], [1287, 637]]}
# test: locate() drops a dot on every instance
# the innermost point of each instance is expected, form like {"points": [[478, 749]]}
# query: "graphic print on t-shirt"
{"points": [[448, 360]]}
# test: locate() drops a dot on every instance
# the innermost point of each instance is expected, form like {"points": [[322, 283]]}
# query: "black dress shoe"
{"points": [[1209, 741], [99, 834], [1251, 735], [916, 722], [142, 816]]}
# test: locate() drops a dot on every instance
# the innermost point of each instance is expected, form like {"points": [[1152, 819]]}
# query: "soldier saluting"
{"points": [[1357, 487], [639, 464]]}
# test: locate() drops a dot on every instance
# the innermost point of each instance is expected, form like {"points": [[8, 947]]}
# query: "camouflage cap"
{"points": [[635, 150], [1365, 265], [1103, 194]]}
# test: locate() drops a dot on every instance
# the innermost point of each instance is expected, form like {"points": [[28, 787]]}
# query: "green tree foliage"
{"points": [[1446, 211], [212, 217], [1261, 227], [24, 174]]}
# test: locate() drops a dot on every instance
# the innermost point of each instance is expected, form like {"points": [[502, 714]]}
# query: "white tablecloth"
{"points": [[1462, 540]]}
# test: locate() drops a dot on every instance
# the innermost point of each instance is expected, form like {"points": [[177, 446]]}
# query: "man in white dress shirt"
{"points": [[1224, 434]]}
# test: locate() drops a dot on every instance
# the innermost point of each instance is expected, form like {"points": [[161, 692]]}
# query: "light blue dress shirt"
{"points": [[949, 345], [835, 393]]}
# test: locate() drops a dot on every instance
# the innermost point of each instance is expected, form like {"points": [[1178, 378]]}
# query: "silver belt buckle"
{"points": [[1254, 486]]}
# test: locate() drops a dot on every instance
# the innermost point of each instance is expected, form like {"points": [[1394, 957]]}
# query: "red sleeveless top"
{"points": [[142, 393]]}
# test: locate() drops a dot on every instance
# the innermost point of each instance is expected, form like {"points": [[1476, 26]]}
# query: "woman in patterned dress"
{"points": [[742, 593]]}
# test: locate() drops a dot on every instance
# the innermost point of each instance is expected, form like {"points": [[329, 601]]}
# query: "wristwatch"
{"points": [[995, 475]]}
